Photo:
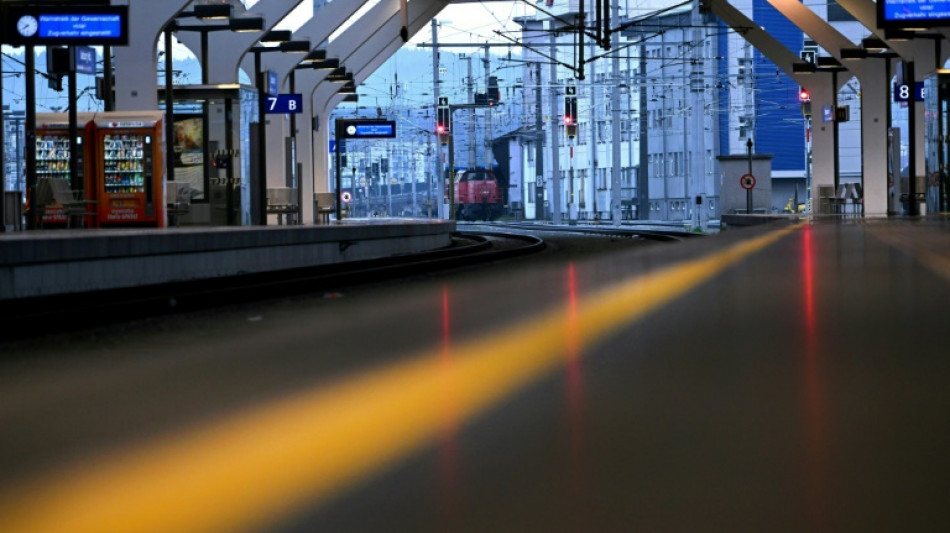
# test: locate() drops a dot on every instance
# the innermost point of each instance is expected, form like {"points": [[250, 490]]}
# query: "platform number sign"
{"points": [[902, 92], [284, 103]]}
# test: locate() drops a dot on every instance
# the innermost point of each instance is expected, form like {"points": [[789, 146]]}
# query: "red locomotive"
{"points": [[477, 195]]}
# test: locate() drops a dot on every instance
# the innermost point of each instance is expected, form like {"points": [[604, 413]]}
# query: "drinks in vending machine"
{"points": [[122, 164]]}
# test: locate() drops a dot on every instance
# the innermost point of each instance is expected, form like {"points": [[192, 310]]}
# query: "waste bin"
{"points": [[13, 210], [921, 204]]}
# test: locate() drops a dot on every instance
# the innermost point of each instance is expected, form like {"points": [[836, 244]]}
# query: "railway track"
{"points": [[654, 234]]}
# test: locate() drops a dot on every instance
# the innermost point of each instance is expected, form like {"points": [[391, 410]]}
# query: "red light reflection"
{"points": [[449, 464], [574, 385], [815, 440]]}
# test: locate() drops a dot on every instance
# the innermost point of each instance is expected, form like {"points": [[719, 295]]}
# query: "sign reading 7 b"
{"points": [[284, 103]]}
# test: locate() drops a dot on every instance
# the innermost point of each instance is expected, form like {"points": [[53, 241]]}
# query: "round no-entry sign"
{"points": [[747, 181], [346, 197]]}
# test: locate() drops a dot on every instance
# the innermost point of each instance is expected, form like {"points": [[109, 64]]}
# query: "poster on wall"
{"points": [[189, 153]]}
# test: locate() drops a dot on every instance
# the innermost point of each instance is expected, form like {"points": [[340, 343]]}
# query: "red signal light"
{"points": [[568, 120], [804, 95]]}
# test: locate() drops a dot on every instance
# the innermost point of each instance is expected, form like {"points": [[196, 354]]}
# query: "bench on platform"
{"points": [[178, 200], [57, 191], [848, 194], [282, 201], [323, 206]]}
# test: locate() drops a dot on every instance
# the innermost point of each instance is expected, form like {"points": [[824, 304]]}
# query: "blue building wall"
{"points": [[722, 70], [778, 123]]}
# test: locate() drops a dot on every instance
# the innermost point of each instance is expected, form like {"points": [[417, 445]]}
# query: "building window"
{"points": [[745, 126], [836, 13], [745, 71]]}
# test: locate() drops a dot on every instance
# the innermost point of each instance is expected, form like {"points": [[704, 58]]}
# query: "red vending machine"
{"points": [[129, 172], [52, 159]]}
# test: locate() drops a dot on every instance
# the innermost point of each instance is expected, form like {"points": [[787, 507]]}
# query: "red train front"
{"points": [[477, 195]]}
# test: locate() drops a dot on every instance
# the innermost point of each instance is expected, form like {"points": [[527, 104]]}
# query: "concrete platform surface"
{"points": [[52, 262]]}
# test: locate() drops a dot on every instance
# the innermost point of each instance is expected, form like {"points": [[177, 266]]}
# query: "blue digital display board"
{"points": [[367, 129], [897, 14], [66, 25], [88, 26]]}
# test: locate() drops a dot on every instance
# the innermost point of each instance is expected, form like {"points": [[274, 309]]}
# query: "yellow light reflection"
{"points": [[251, 470]]}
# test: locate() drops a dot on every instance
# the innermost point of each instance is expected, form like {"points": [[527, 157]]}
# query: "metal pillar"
{"points": [[439, 168], [30, 148], [555, 140], [643, 172], [75, 183], [169, 110], [3, 167], [615, 189], [471, 118], [909, 77], [259, 204], [539, 211]]}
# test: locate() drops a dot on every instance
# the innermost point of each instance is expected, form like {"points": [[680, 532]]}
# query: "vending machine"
{"points": [[52, 158], [128, 166]]}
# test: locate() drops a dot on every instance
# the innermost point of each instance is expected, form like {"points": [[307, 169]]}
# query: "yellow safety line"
{"points": [[251, 470], [910, 240]]}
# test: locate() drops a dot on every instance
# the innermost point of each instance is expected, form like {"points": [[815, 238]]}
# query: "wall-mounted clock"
{"points": [[27, 25]]}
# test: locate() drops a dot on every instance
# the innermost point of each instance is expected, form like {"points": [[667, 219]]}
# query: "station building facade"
{"points": [[663, 68]]}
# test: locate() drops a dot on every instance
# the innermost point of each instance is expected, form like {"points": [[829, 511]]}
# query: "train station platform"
{"points": [[56, 262], [790, 378]]}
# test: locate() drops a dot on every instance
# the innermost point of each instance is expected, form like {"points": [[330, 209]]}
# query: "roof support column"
{"points": [[874, 126], [305, 153], [927, 56], [230, 47], [136, 72], [818, 84], [874, 101], [317, 30], [362, 60]]}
